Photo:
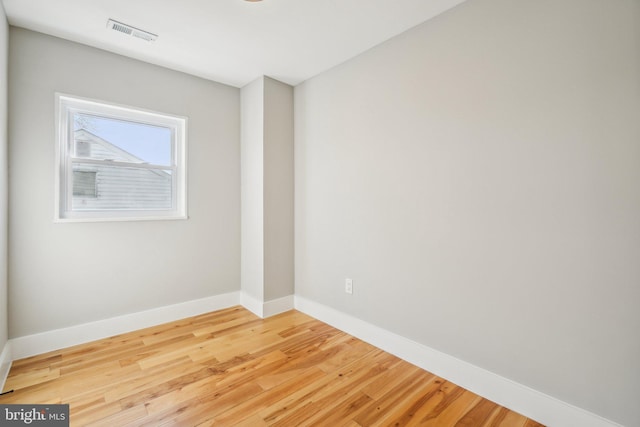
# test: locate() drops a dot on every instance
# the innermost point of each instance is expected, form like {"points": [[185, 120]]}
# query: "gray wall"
{"points": [[479, 179], [278, 189], [67, 274], [4, 52]]}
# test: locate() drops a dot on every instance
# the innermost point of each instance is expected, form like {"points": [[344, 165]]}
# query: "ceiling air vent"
{"points": [[131, 31]]}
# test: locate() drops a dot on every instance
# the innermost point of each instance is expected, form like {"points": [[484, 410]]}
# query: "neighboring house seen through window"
{"points": [[118, 163]]}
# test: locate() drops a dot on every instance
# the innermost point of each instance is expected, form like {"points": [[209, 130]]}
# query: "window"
{"points": [[118, 163]]}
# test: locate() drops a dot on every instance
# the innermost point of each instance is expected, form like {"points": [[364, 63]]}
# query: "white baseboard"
{"points": [[522, 399], [60, 338], [5, 364], [517, 397], [43, 342], [277, 306], [267, 308], [252, 304]]}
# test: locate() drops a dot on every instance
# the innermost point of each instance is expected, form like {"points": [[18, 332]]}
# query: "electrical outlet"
{"points": [[348, 286]]}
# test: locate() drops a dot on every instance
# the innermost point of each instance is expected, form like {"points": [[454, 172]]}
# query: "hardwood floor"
{"points": [[230, 368]]}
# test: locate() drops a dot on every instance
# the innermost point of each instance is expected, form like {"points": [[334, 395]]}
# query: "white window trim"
{"points": [[64, 104]]}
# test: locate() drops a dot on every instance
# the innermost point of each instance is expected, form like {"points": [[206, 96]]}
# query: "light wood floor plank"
{"points": [[230, 368]]}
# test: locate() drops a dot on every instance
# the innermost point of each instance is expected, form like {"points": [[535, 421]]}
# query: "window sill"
{"points": [[119, 219]]}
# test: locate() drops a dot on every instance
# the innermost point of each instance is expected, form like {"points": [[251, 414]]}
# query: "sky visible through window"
{"points": [[151, 144]]}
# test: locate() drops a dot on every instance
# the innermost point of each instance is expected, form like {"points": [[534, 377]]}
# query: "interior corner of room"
{"points": [[472, 182]]}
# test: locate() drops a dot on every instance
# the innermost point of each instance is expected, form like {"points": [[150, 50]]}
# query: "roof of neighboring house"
{"points": [[118, 153]]}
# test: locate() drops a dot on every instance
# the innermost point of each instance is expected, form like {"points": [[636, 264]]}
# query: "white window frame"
{"points": [[66, 106]]}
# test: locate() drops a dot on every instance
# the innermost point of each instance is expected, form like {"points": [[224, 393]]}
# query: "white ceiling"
{"points": [[231, 41]]}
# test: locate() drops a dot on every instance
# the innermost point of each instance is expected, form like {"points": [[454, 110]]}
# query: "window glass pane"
{"points": [[83, 148], [123, 188], [105, 138], [84, 183]]}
